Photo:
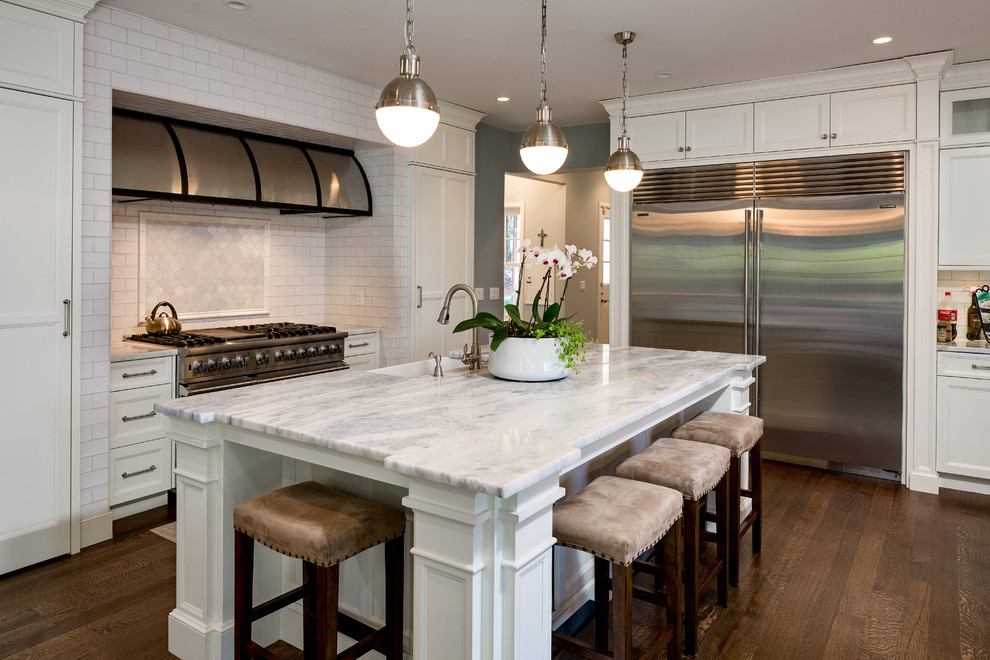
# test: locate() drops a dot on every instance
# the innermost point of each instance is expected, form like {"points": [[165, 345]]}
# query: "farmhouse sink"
{"points": [[451, 367]]}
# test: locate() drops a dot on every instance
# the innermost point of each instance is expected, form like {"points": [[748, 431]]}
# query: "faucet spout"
{"points": [[473, 356]]}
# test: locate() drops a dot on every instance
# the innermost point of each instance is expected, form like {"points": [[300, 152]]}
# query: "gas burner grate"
{"points": [[179, 340], [279, 330]]}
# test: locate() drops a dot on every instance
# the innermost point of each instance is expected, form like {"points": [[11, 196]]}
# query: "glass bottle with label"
{"points": [[947, 312], [973, 322]]}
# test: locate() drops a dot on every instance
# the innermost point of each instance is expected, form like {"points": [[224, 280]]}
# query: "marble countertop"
{"points": [[963, 345], [471, 431], [122, 351]]}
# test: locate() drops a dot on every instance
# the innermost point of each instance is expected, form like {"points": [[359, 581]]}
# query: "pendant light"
{"points": [[543, 148], [407, 110], [623, 172]]}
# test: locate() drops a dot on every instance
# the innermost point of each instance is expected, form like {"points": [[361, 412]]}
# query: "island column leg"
{"points": [[482, 570]]}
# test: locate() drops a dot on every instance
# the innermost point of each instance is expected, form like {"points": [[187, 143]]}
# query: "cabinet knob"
{"points": [[680, 149], [834, 135], [824, 136], [687, 148]]}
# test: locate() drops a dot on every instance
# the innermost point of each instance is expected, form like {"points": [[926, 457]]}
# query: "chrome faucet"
{"points": [[471, 358]]}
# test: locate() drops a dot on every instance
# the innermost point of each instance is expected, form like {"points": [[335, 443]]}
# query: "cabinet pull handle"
{"points": [[128, 475], [68, 317], [143, 373], [364, 343], [419, 290], [980, 366], [125, 418]]}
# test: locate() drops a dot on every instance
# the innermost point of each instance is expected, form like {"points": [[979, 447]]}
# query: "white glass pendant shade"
{"points": [[543, 148], [407, 110], [624, 171]]}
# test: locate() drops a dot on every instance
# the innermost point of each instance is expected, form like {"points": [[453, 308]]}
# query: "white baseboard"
{"points": [[139, 506], [926, 482], [967, 484], [96, 529]]}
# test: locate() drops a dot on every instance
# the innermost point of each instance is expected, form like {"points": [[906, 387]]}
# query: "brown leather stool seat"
{"points": [[739, 434], [322, 527], [617, 520], [693, 469]]}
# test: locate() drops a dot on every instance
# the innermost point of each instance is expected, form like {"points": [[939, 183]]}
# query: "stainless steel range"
{"points": [[221, 358]]}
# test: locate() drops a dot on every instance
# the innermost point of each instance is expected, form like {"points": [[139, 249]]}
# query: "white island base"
{"points": [[477, 462]]}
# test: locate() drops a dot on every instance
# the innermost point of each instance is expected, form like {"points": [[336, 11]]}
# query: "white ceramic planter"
{"points": [[526, 359]]}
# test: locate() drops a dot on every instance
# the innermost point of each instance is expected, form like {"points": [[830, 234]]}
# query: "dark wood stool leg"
{"points": [[756, 485], [672, 552], [243, 587], [602, 581], [692, 530], [622, 595], [722, 540], [733, 520], [394, 581]]}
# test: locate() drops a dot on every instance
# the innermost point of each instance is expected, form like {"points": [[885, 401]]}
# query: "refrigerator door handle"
{"points": [[757, 248], [746, 278]]}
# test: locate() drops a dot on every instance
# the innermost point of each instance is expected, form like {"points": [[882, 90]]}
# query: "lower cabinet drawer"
{"points": [[140, 470], [132, 415], [365, 362]]}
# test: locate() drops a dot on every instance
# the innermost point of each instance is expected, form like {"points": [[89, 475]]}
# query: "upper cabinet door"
{"points": [[965, 117], [964, 215], [450, 148], [801, 123], [868, 116], [657, 137], [721, 131], [36, 50]]}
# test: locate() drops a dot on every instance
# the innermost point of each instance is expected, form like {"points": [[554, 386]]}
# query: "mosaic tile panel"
{"points": [[213, 269]]}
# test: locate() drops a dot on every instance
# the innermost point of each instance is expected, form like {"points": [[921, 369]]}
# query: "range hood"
{"points": [[161, 158]]}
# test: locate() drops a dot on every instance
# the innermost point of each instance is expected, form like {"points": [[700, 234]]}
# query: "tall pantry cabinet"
{"points": [[40, 118]]}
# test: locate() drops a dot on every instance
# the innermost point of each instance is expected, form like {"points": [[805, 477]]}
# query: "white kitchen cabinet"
{"points": [[963, 425], [36, 213], [37, 50], [722, 131], [140, 454], [964, 216], [965, 117], [361, 351], [450, 148], [842, 119]]}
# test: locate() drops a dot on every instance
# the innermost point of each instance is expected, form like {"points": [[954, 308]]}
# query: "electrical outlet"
{"points": [[581, 282], [493, 293], [480, 292], [360, 297]]}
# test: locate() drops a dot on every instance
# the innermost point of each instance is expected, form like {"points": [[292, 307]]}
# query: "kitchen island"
{"points": [[480, 463]]}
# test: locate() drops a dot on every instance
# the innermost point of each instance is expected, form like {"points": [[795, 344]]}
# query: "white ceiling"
{"points": [[472, 51]]}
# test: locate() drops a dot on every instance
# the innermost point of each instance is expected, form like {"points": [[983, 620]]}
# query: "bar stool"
{"points": [[693, 469], [322, 527], [617, 520], [738, 434]]}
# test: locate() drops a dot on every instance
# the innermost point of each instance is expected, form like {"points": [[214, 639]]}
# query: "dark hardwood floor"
{"points": [[851, 567]]}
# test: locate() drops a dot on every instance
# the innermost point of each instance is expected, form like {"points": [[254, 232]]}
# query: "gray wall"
{"points": [[497, 152]]}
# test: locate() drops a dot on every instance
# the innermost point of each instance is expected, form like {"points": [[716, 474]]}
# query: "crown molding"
{"points": [[862, 76], [965, 76], [459, 116], [75, 10]]}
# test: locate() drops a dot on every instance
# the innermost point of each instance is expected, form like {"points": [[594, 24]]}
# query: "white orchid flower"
{"points": [[524, 247], [584, 255], [592, 261], [565, 272], [571, 250]]}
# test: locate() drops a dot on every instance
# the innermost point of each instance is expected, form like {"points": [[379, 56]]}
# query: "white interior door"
{"points": [[604, 270], [35, 271]]}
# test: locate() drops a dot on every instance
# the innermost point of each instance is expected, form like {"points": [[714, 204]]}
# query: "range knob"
{"points": [[241, 360], [324, 350], [312, 351], [211, 365], [292, 354], [198, 367], [336, 348], [261, 358], [279, 356], [226, 363]]}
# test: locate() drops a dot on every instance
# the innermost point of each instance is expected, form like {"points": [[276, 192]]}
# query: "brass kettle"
{"points": [[162, 324]]}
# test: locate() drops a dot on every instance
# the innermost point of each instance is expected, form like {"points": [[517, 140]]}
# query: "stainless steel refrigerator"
{"points": [[801, 261]]}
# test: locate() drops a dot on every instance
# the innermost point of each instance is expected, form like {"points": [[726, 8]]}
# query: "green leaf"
{"points": [[551, 313], [498, 336], [481, 320], [513, 313]]}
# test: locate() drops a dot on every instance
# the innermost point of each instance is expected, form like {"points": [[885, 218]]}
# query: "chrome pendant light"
{"points": [[623, 172], [543, 148], [407, 110]]}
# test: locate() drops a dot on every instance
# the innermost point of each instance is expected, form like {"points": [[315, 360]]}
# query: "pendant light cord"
{"points": [[410, 29], [543, 57], [625, 89]]}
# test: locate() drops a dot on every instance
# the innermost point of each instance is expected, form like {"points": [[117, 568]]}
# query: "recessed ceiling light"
{"points": [[665, 75], [502, 99], [883, 40], [236, 4]]}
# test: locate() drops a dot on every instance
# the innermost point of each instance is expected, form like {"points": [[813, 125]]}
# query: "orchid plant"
{"points": [[543, 319]]}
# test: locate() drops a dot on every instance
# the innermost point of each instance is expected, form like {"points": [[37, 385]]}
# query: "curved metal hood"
{"points": [[161, 158]]}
